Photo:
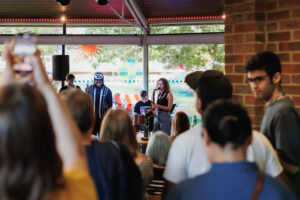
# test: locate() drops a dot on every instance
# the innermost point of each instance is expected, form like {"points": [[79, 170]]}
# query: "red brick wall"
{"points": [[257, 25]]}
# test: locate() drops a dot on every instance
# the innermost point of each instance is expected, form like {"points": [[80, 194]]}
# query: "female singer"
{"points": [[163, 107]]}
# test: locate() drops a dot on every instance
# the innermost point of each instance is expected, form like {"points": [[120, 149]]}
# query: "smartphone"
{"points": [[25, 45]]}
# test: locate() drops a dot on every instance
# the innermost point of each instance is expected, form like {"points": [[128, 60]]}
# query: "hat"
{"points": [[209, 85], [98, 76], [192, 78]]}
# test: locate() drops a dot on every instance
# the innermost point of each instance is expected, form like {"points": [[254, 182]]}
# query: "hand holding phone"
{"points": [[25, 45]]}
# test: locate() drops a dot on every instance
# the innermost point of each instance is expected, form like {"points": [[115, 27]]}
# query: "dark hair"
{"points": [[70, 76], [166, 84], [267, 61], [180, 123], [30, 167], [213, 85], [117, 126], [81, 107], [143, 93], [226, 121]]}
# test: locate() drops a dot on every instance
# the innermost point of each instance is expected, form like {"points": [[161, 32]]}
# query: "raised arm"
{"points": [[66, 132]]}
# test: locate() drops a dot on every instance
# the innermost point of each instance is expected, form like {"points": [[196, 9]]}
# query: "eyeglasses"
{"points": [[256, 80]]}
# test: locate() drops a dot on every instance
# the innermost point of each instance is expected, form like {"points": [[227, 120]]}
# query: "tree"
{"points": [[191, 56]]}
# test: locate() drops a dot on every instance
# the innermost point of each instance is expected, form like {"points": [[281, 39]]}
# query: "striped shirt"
{"points": [[156, 187], [105, 100]]}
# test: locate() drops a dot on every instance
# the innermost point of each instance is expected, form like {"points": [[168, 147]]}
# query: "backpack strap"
{"points": [[258, 186]]}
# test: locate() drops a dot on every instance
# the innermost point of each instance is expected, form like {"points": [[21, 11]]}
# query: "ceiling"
{"points": [[180, 10]]}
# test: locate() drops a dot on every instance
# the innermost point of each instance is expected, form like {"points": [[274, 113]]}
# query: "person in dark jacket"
{"points": [[102, 98], [115, 174]]}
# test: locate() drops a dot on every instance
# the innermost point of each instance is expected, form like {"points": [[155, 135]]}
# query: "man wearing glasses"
{"points": [[281, 121]]}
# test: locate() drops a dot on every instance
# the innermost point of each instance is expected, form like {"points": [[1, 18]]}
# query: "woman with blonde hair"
{"points": [[180, 124], [117, 126]]}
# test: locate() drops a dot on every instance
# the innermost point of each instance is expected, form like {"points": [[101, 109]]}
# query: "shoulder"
{"points": [[104, 152], [170, 94], [146, 160], [260, 144], [188, 188], [284, 106], [107, 88], [192, 134], [78, 185], [138, 103], [63, 88], [273, 187], [187, 142], [284, 113], [262, 153], [258, 139]]}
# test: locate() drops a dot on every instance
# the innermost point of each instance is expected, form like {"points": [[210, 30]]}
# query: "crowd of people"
{"points": [[72, 145]]}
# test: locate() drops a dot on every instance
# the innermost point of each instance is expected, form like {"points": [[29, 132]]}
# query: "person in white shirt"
{"points": [[187, 158]]}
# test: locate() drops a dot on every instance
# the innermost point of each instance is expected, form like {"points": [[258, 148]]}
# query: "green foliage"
{"points": [[192, 57], [114, 53]]}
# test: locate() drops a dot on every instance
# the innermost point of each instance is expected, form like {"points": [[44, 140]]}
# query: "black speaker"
{"points": [[102, 2], [60, 67]]}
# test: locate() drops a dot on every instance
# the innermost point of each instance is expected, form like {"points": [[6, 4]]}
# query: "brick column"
{"points": [[244, 36], [256, 25], [283, 32]]}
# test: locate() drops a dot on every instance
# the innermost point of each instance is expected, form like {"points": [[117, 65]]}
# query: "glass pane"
{"points": [[174, 62], [103, 30], [187, 29], [47, 51], [36, 30], [121, 65]]}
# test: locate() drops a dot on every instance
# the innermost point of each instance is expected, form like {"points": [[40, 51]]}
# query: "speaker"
{"points": [[60, 67], [102, 2]]}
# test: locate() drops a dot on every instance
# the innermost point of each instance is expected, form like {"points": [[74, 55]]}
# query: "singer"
{"points": [[163, 107]]}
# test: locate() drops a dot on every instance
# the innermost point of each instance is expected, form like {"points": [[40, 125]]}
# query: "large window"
{"points": [[174, 62], [122, 66]]}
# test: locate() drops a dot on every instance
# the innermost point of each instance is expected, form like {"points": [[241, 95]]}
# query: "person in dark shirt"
{"points": [[163, 107], [111, 166], [281, 121], [102, 98], [70, 78], [144, 104]]}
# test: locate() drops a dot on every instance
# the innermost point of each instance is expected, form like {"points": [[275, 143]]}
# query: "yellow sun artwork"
{"points": [[89, 51]]}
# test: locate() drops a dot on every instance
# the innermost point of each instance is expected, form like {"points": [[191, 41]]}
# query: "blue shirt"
{"points": [[230, 181]]}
